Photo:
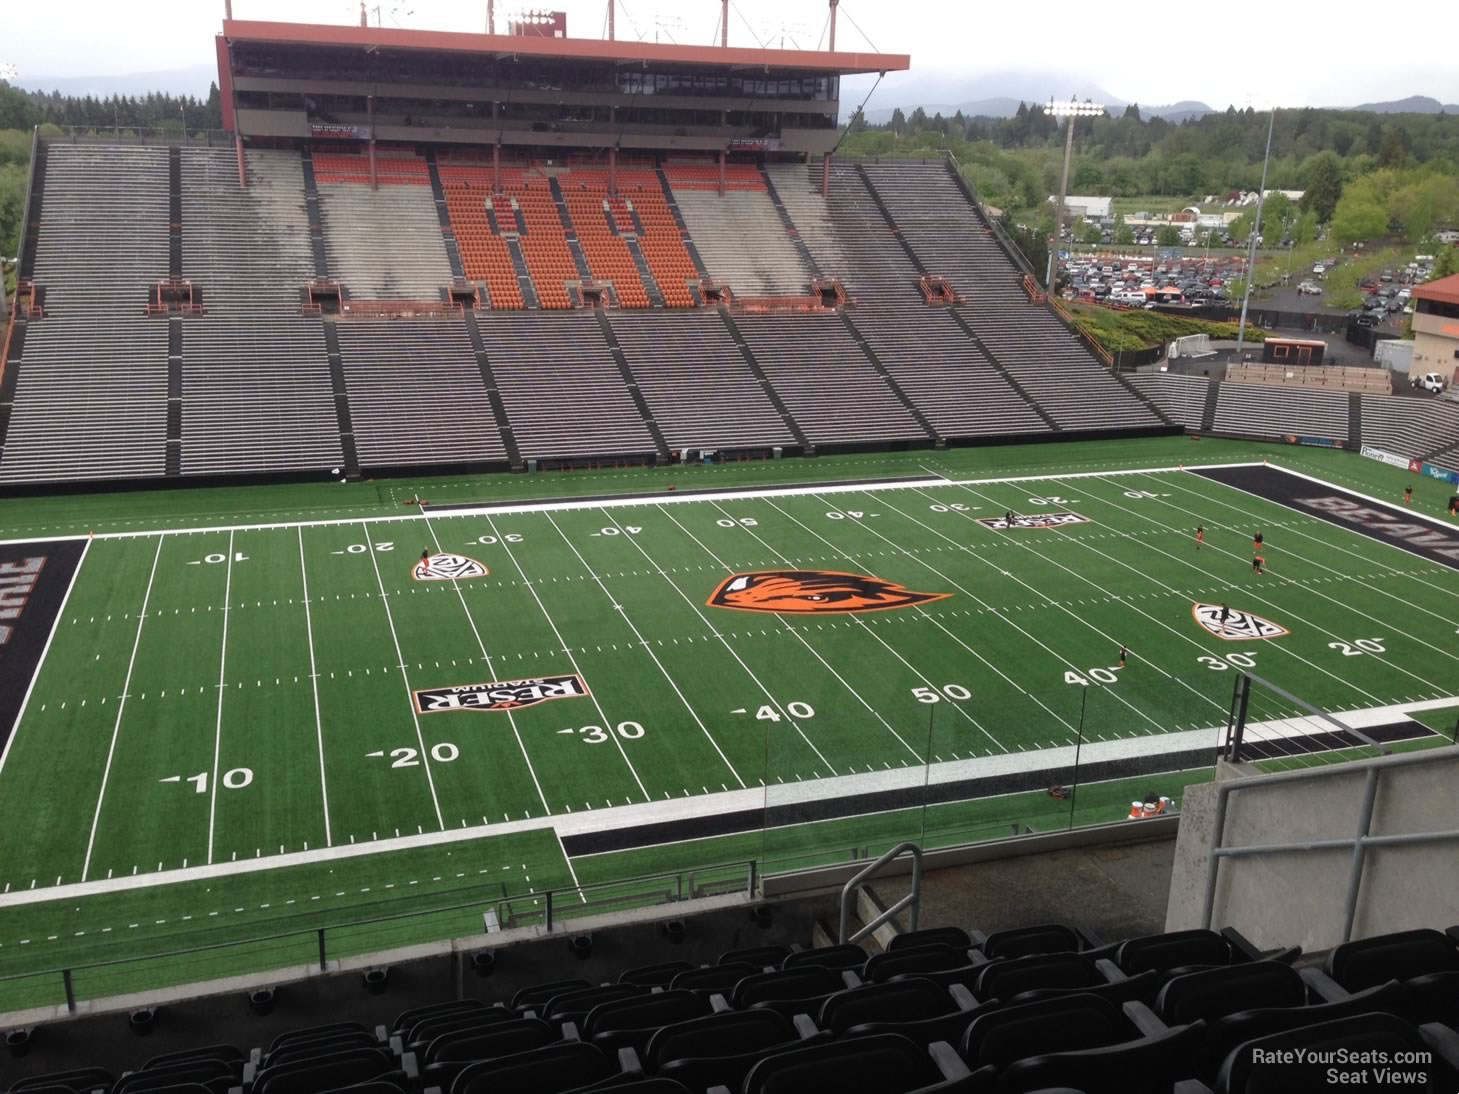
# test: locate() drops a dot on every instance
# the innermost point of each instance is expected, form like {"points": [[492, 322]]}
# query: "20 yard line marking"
{"points": [[222, 687], [121, 707], [425, 756], [34, 676], [314, 684]]}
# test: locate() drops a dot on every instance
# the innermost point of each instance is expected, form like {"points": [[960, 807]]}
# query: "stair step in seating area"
{"points": [[415, 394], [91, 391], [800, 193], [825, 380], [1036, 1007], [585, 193], [879, 271], [385, 244], [696, 382], [556, 414]]}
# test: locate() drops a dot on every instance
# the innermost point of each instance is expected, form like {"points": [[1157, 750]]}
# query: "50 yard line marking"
{"points": [[425, 756], [314, 686], [121, 706], [222, 688]]}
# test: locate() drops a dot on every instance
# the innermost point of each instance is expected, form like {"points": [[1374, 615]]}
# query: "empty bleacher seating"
{"points": [[1330, 377], [800, 193], [696, 382], [739, 234], [1181, 398], [484, 252], [1408, 426], [1255, 409], [557, 411], [91, 391], [386, 243], [416, 394], [1036, 1008]]}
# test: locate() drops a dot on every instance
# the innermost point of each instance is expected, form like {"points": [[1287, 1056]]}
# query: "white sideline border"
{"points": [[681, 809], [830, 487]]}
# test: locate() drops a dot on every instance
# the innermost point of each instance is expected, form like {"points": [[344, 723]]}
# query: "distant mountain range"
{"points": [[192, 80], [1414, 104]]}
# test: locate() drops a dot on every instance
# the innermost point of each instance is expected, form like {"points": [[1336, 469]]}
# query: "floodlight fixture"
{"points": [[1070, 108], [1073, 108]]}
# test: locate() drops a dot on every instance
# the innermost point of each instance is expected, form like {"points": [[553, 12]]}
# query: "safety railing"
{"points": [[911, 901]]}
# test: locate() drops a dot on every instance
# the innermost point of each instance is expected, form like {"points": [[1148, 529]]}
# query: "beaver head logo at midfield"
{"points": [[814, 591]]}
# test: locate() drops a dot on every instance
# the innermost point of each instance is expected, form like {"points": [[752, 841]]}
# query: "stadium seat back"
{"points": [[1358, 1033], [947, 936], [830, 957], [905, 1000], [1224, 1034], [550, 1070], [655, 976], [322, 1046], [428, 1029], [1148, 1065], [1066, 1024], [539, 994], [1401, 955], [713, 979], [645, 1013], [182, 1071], [573, 1006], [762, 957], [799, 983], [1215, 993], [729, 1033], [1173, 950], [933, 957], [77, 1079], [315, 1033], [885, 1063], [1143, 986], [1041, 938], [406, 1020], [205, 1052], [489, 1042], [306, 1076], [1006, 979]]}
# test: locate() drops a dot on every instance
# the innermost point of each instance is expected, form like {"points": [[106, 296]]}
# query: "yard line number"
{"points": [[932, 695], [443, 752], [1099, 676], [796, 709], [596, 735], [1359, 646], [234, 779], [507, 537], [951, 507], [1222, 663], [626, 530]]}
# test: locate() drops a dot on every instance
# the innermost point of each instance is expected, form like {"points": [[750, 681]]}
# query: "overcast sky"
{"points": [[1341, 52]]}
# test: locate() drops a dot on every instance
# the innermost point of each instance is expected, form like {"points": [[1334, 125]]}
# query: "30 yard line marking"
{"points": [[562, 644], [425, 756], [314, 686], [511, 718], [121, 707], [222, 688], [46, 649], [643, 642]]}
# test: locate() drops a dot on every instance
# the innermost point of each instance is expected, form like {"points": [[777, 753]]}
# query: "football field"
{"points": [[234, 727]]}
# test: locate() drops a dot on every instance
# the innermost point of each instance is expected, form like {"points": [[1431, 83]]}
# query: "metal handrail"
{"points": [[911, 900]]}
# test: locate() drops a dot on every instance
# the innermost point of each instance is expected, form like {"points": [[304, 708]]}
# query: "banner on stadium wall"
{"points": [[339, 131], [1392, 459], [1434, 471], [1314, 442], [755, 144], [1416, 466]]}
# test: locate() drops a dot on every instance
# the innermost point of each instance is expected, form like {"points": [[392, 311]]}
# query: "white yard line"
{"points": [[645, 499], [719, 803], [45, 650], [121, 708], [486, 657], [607, 723], [647, 648], [222, 690], [425, 756], [713, 630], [314, 686]]}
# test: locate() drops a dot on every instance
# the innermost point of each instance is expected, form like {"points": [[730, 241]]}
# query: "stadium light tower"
{"points": [[1255, 234], [1072, 109]]}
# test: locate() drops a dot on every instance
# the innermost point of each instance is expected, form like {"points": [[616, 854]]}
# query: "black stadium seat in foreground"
{"points": [[885, 1063]]}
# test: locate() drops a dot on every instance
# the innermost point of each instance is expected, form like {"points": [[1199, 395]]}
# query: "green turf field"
{"points": [[224, 739]]}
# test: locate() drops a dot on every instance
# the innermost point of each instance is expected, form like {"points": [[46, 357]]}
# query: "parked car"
{"points": [[1309, 288], [1431, 382]]}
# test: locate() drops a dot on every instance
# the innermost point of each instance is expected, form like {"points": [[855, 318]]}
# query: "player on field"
{"points": [[1256, 542], [1124, 652], [1008, 518], [1408, 495], [1225, 615], [1200, 536], [1257, 563]]}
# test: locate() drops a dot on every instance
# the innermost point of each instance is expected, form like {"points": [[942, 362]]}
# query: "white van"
{"points": [[1431, 382], [1130, 299]]}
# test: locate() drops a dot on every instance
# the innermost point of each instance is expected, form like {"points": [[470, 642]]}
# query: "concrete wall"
{"points": [[1297, 897]]}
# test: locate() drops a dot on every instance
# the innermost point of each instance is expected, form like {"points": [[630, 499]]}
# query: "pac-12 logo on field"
{"points": [[1237, 626], [505, 695], [814, 591], [1033, 520], [447, 568]]}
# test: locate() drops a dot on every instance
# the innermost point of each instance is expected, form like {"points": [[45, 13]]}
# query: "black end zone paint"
{"points": [[1429, 538], [34, 578]]}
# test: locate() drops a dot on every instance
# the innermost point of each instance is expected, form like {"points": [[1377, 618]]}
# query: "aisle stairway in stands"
{"points": [[739, 233]]}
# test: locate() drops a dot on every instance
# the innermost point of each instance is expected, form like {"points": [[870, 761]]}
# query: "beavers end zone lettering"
{"points": [[34, 578], [1388, 525], [17, 581]]}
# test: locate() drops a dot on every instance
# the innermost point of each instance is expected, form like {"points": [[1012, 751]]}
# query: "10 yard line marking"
{"points": [[314, 684], [425, 757], [121, 706], [222, 687], [34, 676]]}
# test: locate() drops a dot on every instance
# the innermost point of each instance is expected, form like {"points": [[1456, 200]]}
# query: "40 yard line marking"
{"points": [[314, 686], [121, 706], [425, 756]]}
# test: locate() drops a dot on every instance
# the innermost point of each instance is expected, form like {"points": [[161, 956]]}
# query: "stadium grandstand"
{"points": [[421, 673]]}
